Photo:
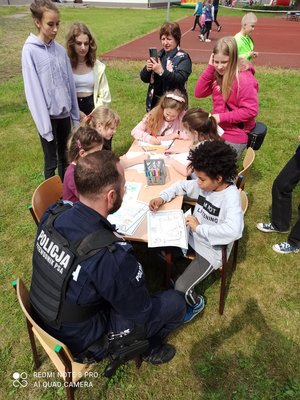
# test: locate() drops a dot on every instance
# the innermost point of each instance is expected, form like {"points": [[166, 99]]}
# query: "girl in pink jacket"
{"points": [[234, 91], [163, 122]]}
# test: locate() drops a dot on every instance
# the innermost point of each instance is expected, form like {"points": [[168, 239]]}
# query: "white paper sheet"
{"points": [[129, 216], [167, 228], [164, 143]]}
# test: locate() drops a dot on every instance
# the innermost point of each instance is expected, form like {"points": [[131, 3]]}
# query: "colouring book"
{"points": [[167, 228]]}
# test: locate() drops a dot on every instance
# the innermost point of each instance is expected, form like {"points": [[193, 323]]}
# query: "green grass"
{"points": [[252, 352]]}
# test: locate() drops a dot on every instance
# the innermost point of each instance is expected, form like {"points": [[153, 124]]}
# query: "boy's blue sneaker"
{"points": [[285, 248], [192, 311]]}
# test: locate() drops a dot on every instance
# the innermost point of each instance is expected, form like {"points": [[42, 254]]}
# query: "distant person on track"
{"points": [[216, 9], [197, 13], [209, 17]]}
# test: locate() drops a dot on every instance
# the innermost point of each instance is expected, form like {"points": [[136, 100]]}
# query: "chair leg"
{"points": [[35, 356], [235, 252], [33, 215], [68, 372], [223, 280]]}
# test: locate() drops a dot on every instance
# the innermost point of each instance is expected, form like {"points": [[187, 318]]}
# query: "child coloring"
{"points": [[163, 122], [83, 141], [217, 218], [49, 86], [200, 127], [106, 122]]}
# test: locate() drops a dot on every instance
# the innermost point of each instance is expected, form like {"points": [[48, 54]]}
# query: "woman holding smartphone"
{"points": [[170, 70]]}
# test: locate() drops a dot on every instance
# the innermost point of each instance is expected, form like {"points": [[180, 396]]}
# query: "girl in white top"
{"points": [[217, 218], [163, 122], [89, 73]]}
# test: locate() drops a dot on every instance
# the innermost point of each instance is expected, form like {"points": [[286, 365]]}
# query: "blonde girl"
{"points": [[83, 141], [106, 122], [234, 91], [200, 127], [163, 122]]}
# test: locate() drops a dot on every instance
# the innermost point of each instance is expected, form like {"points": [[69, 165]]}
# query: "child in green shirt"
{"points": [[243, 39]]}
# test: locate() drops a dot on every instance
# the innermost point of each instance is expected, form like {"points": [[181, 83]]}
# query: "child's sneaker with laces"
{"points": [[207, 40], [268, 227], [285, 248], [192, 311]]}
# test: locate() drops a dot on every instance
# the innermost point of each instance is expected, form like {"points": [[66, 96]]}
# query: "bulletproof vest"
{"points": [[54, 260]]}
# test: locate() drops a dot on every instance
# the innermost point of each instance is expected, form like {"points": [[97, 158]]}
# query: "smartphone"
{"points": [[153, 53]]}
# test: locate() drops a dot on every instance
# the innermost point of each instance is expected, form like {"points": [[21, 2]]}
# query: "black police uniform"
{"points": [[116, 280]]}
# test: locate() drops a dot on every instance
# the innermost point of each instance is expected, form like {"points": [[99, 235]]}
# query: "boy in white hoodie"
{"points": [[49, 86], [217, 217]]}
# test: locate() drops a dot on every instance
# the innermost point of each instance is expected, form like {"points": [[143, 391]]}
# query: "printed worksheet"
{"points": [[132, 191], [149, 146], [167, 228], [129, 216]]}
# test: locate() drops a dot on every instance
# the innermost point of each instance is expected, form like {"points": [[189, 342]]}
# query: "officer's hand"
{"points": [[156, 203]]}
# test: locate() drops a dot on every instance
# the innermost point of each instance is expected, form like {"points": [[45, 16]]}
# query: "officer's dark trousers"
{"points": [[282, 190], [168, 310]]}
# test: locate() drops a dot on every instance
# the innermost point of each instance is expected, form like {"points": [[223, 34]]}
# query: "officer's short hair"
{"points": [[96, 171]]}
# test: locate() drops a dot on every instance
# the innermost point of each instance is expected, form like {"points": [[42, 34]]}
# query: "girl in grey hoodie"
{"points": [[49, 86]]}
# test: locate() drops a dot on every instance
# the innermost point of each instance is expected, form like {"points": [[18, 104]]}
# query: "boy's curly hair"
{"points": [[215, 159]]}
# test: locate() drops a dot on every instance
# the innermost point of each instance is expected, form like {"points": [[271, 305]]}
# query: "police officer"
{"points": [[106, 292]]}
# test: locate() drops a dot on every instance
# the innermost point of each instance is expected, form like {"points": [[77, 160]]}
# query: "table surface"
{"points": [[149, 192]]}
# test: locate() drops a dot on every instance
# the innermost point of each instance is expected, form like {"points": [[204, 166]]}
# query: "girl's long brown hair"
{"points": [[75, 30], [202, 122]]}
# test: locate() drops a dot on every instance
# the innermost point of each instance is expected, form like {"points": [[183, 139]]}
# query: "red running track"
{"points": [[276, 39]]}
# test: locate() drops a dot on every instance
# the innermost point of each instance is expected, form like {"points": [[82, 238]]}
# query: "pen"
{"points": [[171, 144]]}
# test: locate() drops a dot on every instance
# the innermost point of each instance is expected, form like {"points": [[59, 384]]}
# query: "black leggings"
{"points": [[206, 29], [215, 17], [55, 151], [196, 22]]}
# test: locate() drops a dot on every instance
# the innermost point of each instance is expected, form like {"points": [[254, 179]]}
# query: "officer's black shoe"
{"points": [[160, 354]]}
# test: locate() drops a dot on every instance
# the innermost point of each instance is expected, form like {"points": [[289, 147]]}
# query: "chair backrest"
{"points": [[244, 201], [47, 193], [247, 162], [48, 342]]}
